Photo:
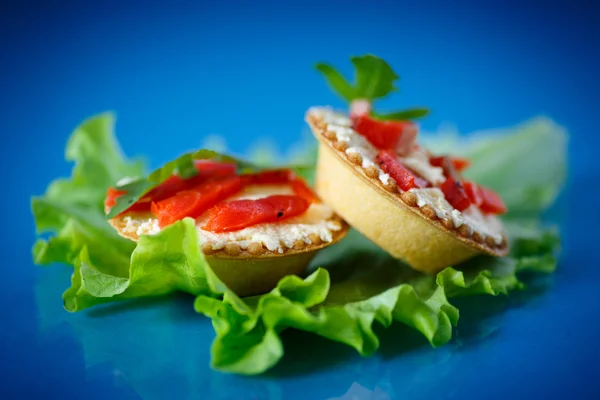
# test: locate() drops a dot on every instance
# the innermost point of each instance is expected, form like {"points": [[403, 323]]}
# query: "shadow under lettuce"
{"points": [[480, 320], [365, 271], [181, 305]]}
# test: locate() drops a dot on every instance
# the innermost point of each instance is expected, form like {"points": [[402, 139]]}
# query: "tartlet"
{"points": [[251, 260], [417, 226]]}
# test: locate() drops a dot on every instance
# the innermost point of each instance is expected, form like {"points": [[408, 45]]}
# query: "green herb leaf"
{"points": [[337, 81], [405, 115], [374, 79], [184, 167]]}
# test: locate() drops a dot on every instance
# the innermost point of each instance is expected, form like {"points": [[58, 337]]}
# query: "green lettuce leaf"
{"points": [[99, 163], [163, 263], [527, 163], [74, 207], [365, 285], [358, 286], [108, 267], [351, 286]]}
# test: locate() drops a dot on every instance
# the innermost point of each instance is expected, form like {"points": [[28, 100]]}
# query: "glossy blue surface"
{"points": [[244, 72]]}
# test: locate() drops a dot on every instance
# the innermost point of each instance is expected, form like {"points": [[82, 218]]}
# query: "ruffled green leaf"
{"points": [[248, 339], [99, 163], [527, 163], [74, 207], [359, 286], [356, 286], [368, 286], [108, 267], [163, 263]]}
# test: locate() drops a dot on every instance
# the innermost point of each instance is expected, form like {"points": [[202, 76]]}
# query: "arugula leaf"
{"points": [[374, 78], [184, 167]]}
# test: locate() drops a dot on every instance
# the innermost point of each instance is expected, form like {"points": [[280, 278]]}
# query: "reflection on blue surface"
{"points": [[176, 74], [160, 348]]}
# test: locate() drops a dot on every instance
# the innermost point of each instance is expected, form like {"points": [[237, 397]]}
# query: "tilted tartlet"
{"points": [[253, 228], [412, 204]]}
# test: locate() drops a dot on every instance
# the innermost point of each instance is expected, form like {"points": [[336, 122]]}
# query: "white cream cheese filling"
{"points": [[341, 126], [486, 225], [418, 161], [273, 236], [134, 224]]}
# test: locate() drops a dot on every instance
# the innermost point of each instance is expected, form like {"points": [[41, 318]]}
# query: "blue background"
{"points": [[177, 73]]}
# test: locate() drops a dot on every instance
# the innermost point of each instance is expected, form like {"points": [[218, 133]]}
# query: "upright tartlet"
{"points": [[413, 204], [253, 228]]}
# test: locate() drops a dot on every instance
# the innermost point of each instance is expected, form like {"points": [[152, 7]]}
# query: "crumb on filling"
{"points": [[339, 128], [314, 226]]}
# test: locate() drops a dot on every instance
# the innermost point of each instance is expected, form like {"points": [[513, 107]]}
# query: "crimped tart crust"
{"points": [[234, 250], [256, 269], [327, 125]]}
